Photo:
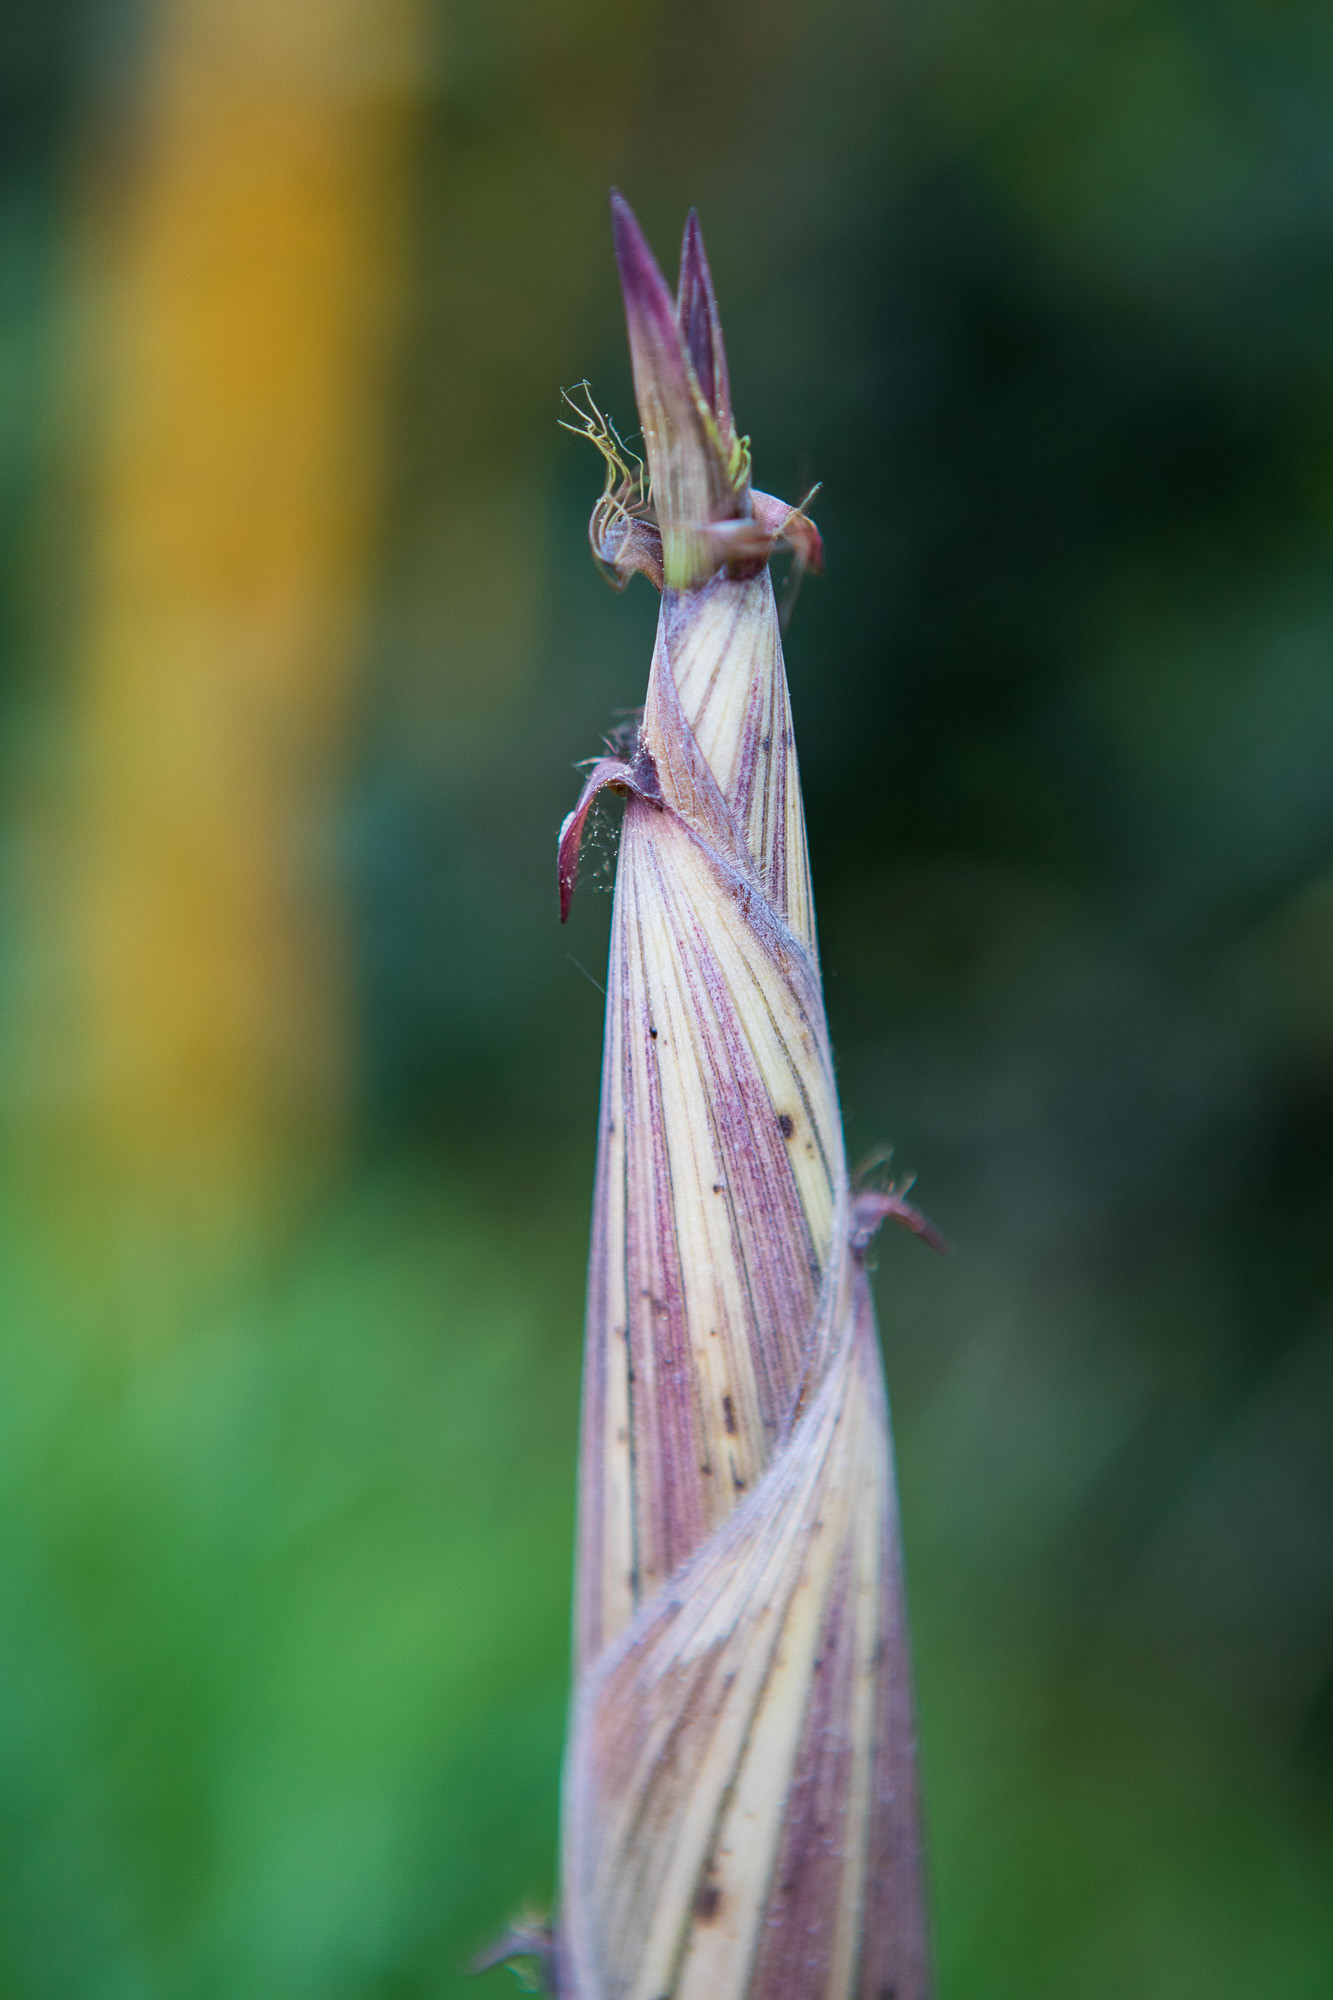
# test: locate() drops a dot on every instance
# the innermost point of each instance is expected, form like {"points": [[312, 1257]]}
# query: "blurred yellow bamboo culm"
{"points": [[251, 281]]}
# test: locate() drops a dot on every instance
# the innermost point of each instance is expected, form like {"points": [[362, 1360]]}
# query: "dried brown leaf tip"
{"points": [[740, 1799]]}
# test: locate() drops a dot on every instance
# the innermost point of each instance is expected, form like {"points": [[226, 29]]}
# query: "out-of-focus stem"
{"points": [[258, 266]]}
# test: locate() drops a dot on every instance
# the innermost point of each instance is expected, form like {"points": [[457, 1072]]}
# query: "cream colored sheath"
{"points": [[740, 1815]]}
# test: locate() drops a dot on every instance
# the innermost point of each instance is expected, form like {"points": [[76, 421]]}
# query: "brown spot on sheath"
{"points": [[786, 1124], [708, 1902], [729, 1416]]}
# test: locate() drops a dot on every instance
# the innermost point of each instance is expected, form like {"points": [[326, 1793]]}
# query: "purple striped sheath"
{"points": [[740, 1815]]}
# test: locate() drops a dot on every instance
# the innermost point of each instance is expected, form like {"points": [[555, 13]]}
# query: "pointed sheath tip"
{"points": [[632, 251], [693, 260], [698, 478], [624, 222], [649, 306], [700, 324]]}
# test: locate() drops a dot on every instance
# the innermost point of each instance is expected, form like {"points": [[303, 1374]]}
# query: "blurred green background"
{"points": [[300, 641]]}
